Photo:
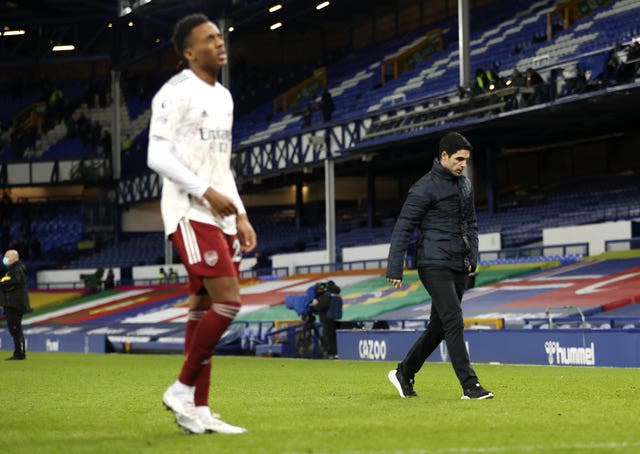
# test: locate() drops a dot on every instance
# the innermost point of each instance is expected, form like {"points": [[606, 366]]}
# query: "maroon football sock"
{"points": [[205, 338], [203, 381]]}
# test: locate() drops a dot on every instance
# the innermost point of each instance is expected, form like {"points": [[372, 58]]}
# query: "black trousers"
{"points": [[329, 327], [14, 323], [446, 288]]}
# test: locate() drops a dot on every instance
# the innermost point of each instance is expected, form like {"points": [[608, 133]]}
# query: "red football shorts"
{"points": [[206, 251]]}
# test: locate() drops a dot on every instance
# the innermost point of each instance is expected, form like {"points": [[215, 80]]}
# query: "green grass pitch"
{"points": [[68, 403]]}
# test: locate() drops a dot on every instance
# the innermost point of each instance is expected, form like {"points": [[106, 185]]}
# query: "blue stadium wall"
{"points": [[609, 348], [615, 348]]}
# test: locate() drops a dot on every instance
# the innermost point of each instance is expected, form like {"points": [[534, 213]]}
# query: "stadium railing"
{"points": [[371, 264], [265, 273], [622, 245], [55, 172], [261, 273], [60, 285], [563, 252], [590, 323]]}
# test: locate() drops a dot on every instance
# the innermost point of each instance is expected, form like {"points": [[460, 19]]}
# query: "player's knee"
{"points": [[227, 309]]}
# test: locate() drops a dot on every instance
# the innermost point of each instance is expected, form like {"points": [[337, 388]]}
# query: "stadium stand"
{"points": [[504, 36], [140, 249], [499, 30], [354, 82], [512, 26]]}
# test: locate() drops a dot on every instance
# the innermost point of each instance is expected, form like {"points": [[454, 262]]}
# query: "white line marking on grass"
{"points": [[618, 445]]}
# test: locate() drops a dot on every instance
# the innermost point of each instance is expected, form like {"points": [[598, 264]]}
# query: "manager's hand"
{"points": [[397, 283]]}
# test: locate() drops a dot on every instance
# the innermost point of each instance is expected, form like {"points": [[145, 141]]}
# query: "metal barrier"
{"points": [[157, 281], [265, 273], [371, 264], [59, 285], [549, 315], [83, 170], [556, 250], [570, 251], [140, 282], [581, 322], [622, 245], [262, 273]]}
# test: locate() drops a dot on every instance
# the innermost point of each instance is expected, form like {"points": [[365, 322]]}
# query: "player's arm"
{"points": [[161, 158], [413, 210], [246, 233], [472, 227]]}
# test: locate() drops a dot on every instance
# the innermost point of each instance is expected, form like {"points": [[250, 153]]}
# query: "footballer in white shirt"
{"points": [[190, 147]]}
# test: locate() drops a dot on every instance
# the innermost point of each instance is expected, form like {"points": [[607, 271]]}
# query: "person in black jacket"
{"points": [[328, 305], [441, 206], [14, 300]]}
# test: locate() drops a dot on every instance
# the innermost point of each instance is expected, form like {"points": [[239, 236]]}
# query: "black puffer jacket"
{"points": [[441, 205], [13, 288]]}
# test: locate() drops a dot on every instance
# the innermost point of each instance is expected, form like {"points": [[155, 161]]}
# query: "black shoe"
{"points": [[403, 384], [16, 357], [476, 392]]}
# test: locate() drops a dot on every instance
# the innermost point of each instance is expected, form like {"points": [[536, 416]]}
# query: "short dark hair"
{"points": [[453, 142], [182, 30]]}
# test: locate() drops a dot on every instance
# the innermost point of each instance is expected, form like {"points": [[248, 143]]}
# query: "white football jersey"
{"points": [[196, 118]]}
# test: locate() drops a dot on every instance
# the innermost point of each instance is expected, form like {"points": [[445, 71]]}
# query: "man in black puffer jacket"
{"points": [[441, 206], [14, 300]]}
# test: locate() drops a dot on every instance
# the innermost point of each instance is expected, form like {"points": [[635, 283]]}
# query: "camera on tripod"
{"points": [[322, 299]]}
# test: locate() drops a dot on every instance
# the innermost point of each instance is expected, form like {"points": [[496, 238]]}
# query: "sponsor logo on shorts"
{"points": [[211, 258]]}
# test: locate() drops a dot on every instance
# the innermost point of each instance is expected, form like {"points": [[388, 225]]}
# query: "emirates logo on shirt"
{"points": [[211, 258]]}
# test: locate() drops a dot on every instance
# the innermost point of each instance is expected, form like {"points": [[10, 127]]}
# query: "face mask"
{"points": [[5, 261]]}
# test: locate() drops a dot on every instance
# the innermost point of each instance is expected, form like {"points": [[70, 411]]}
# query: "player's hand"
{"points": [[397, 283], [220, 204], [246, 234]]}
